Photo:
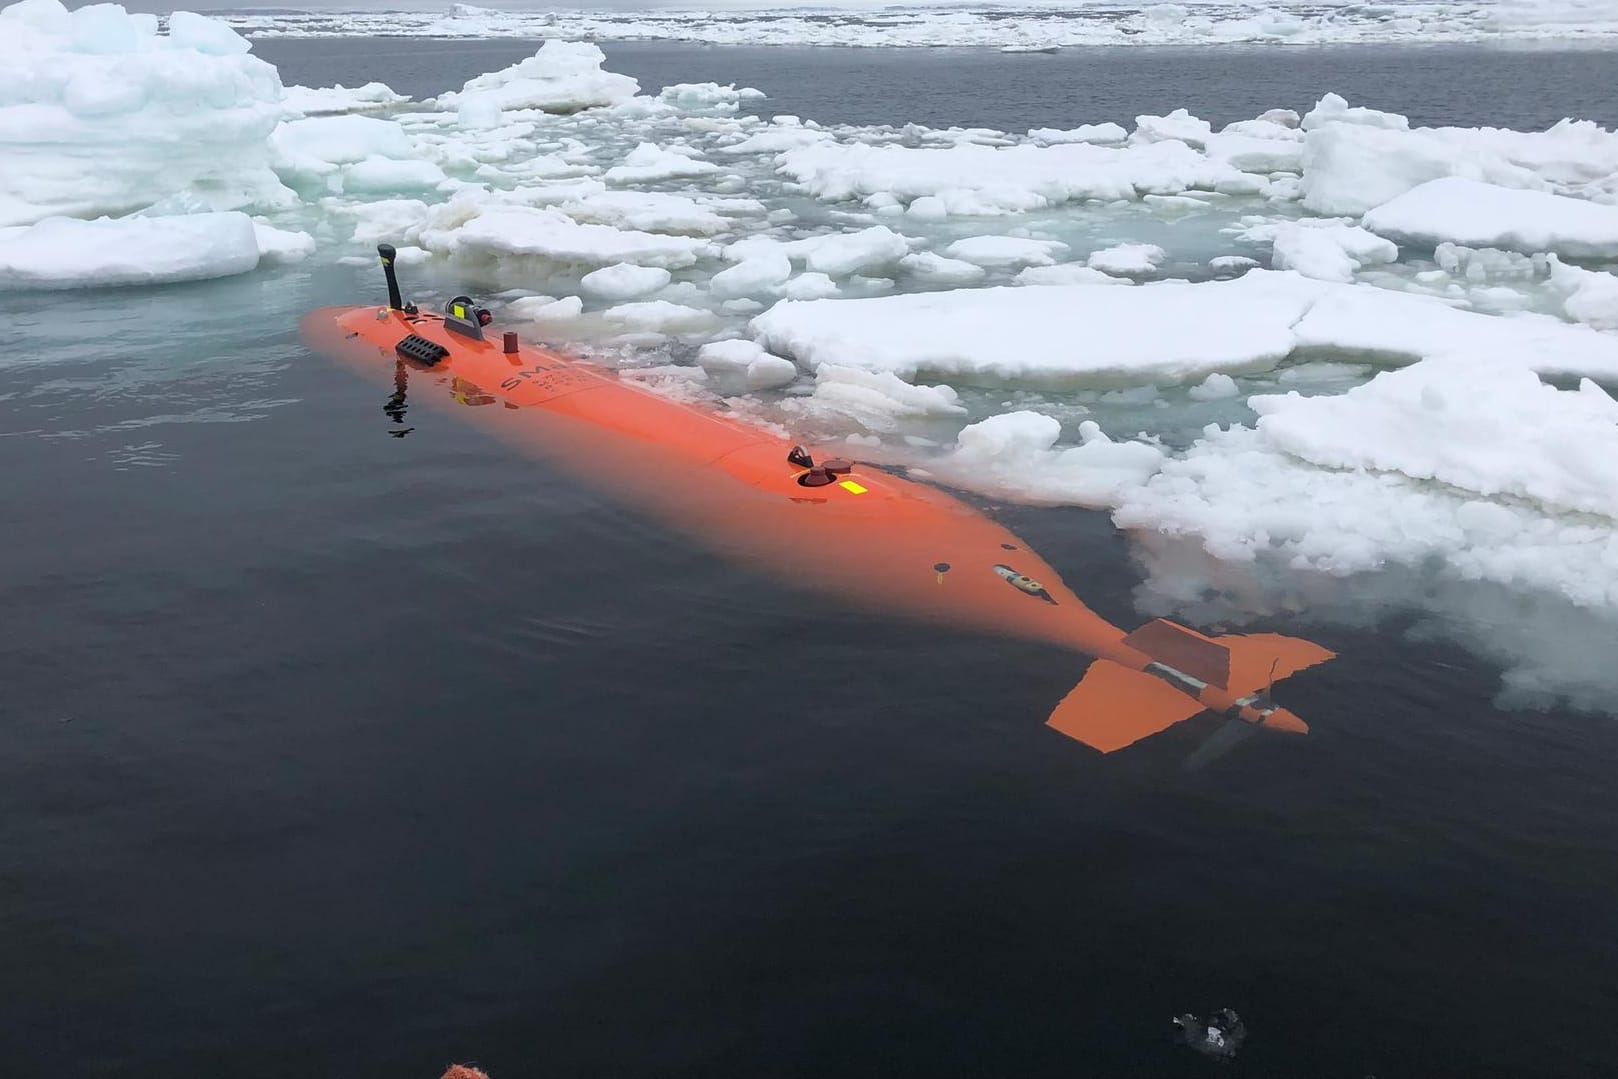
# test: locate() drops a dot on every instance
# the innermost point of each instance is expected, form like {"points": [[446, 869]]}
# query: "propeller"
{"points": [[1220, 742]]}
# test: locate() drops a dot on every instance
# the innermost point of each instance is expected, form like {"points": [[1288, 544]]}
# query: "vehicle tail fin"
{"points": [[1258, 660], [1113, 706]]}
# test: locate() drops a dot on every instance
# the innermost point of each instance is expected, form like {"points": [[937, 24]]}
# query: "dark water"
{"points": [[330, 753], [1527, 88]]}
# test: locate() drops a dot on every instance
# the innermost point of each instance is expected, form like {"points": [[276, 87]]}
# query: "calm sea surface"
{"points": [[329, 753]]}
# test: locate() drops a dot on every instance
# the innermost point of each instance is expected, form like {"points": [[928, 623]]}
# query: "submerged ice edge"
{"points": [[1013, 27], [995, 311]]}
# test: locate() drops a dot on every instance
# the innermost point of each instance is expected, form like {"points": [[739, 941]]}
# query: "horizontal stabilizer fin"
{"points": [[1258, 659], [1186, 650], [1113, 707]]}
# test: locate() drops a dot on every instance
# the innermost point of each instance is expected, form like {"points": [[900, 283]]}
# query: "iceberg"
{"points": [[185, 116], [563, 76]]}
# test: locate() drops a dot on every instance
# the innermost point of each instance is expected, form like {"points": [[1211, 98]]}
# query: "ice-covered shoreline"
{"points": [[1023, 27]]}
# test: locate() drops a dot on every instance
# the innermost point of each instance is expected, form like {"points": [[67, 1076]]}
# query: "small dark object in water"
{"points": [[1219, 1037]]}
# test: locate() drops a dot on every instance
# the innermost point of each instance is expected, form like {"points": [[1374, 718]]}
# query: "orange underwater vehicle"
{"points": [[854, 531]]}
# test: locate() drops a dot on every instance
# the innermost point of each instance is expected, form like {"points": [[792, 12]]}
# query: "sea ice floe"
{"points": [[1350, 168], [350, 154], [975, 179], [1476, 214], [1034, 28], [1520, 497], [876, 401], [331, 100], [660, 316], [1168, 331], [62, 252], [1016, 454], [623, 281], [649, 163], [1326, 250], [563, 76], [99, 114], [1004, 251], [493, 233], [1055, 334], [1127, 260], [934, 269]]}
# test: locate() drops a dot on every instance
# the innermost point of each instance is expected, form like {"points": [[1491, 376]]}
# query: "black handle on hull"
{"points": [[387, 252]]}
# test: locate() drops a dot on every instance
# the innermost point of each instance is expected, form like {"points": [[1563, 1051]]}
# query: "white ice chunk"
{"points": [[1068, 273], [1333, 109], [769, 372], [1483, 215], [1215, 387], [1330, 252], [494, 231], [753, 276], [975, 179], [1127, 259], [282, 245], [563, 76], [1178, 125], [708, 97], [935, 269], [99, 114], [336, 140], [1006, 251], [647, 211], [1349, 169], [659, 316], [1473, 466], [1171, 331], [718, 357], [623, 281], [380, 175], [1399, 327], [1098, 133], [1592, 297], [1268, 153], [876, 400], [62, 253], [331, 100], [844, 253], [1490, 429], [648, 163], [810, 286], [1015, 455], [545, 308]]}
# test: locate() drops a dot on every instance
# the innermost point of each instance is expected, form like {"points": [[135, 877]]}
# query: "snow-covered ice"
{"points": [[1513, 493], [331, 100], [1475, 214], [623, 281], [1054, 315], [563, 76], [184, 116], [1027, 28], [62, 252]]}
